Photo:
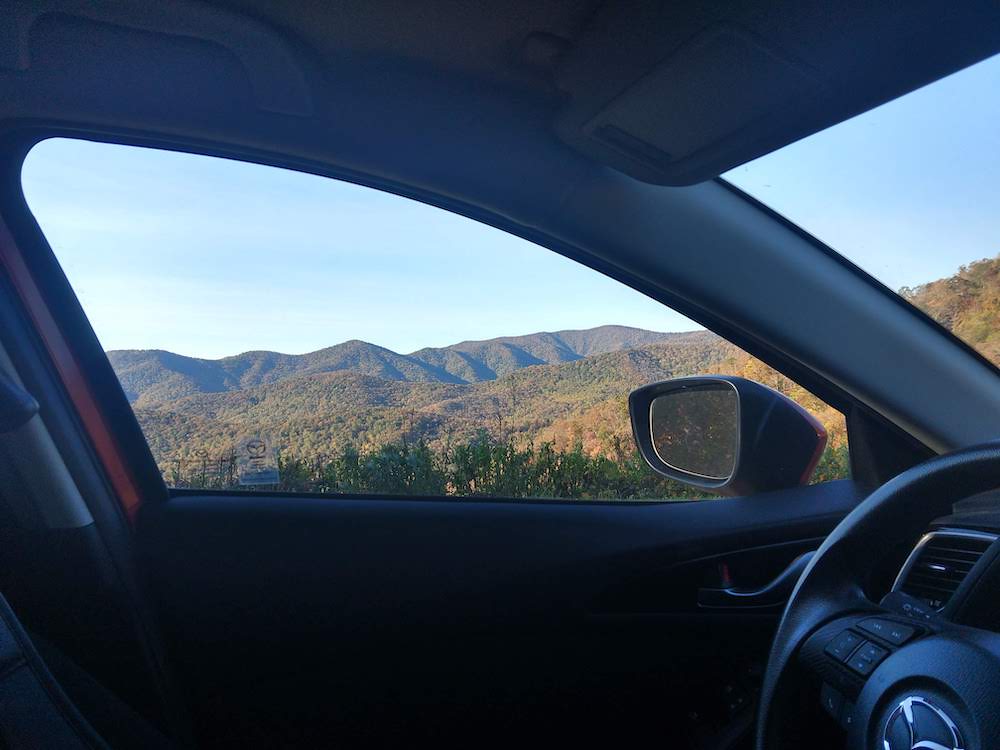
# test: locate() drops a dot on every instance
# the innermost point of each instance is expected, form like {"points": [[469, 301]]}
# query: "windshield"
{"points": [[910, 192]]}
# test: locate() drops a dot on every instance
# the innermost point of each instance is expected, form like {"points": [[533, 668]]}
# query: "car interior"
{"points": [[859, 612]]}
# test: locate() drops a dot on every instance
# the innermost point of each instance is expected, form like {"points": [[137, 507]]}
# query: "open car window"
{"points": [[285, 331]]}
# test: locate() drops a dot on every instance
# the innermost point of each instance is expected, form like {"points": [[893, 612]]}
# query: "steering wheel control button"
{"points": [[841, 647], [888, 630], [847, 715], [832, 700], [908, 606], [865, 659]]}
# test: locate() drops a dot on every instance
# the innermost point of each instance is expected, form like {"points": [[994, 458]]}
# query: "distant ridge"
{"points": [[155, 376], [565, 388], [364, 395]]}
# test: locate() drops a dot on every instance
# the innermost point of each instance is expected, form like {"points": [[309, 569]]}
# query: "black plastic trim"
{"points": [[857, 270]]}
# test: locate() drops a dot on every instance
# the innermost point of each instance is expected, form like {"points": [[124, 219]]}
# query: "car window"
{"points": [[279, 330], [909, 191]]}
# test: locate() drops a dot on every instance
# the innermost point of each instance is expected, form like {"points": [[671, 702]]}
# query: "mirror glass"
{"points": [[695, 429]]}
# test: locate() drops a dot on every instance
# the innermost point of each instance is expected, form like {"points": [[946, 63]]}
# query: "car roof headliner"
{"points": [[671, 93]]}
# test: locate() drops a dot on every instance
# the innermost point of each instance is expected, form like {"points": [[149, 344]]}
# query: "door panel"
{"points": [[297, 620]]}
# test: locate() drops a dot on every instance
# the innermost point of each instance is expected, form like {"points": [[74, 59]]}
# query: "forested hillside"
{"points": [[967, 303], [465, 413], [314, 412], [537, 415]]}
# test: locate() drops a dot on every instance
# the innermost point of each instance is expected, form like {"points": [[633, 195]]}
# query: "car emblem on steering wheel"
{"points": [[917, 724]]}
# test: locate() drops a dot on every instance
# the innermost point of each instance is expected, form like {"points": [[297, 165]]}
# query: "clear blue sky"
{"points": [[909, 191], [209, 257]]}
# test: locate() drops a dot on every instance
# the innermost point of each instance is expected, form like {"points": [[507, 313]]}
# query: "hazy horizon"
{"points": [[699, 329]]}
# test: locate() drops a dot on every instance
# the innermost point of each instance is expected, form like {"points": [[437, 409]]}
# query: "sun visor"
{"points": [[674, 97], [681, 113]]}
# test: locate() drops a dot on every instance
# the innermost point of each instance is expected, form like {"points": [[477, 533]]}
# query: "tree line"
{"points": [[485, 466]]}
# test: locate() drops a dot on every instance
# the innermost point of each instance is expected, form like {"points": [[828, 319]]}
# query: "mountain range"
{"points": [[156, 376], [569, 388], [563, 387]]}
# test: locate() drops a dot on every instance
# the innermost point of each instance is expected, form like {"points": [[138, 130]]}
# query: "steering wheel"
{"points": [[931, 684]]}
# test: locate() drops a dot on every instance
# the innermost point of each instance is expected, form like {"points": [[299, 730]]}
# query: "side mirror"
{"points": [[726, 434]]}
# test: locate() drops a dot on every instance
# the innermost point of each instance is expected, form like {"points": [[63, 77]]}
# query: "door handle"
{"points": [[771, 595]]}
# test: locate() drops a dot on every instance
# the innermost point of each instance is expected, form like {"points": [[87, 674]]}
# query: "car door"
{"points": [[445, 534]]}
